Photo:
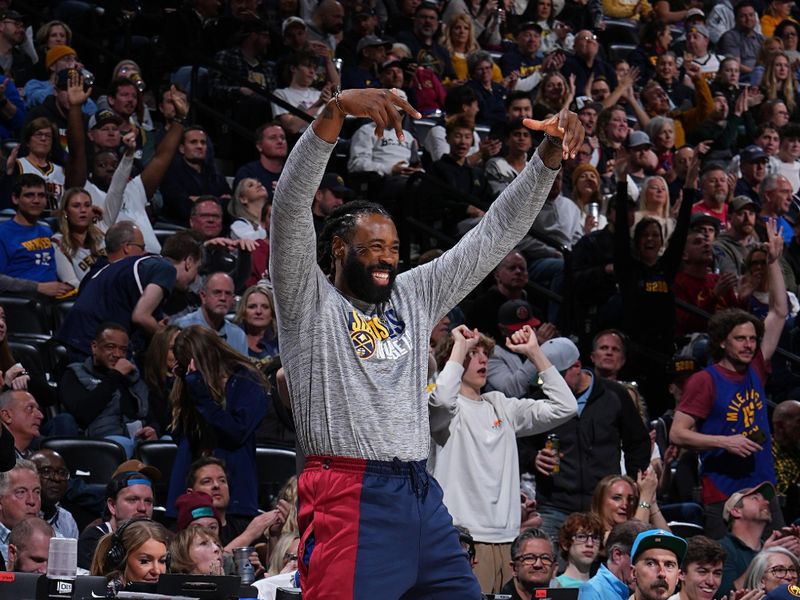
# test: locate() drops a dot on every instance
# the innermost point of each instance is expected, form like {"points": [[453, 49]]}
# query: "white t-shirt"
{"points": [[302, 98], [72, 270], [53, 176]]}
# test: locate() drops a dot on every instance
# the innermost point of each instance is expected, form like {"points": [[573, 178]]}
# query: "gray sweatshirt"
{"points": [[357, 379]]}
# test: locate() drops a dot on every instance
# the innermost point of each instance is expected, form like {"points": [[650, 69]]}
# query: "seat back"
{"points": [[25, 315], [98, 458], [275, 466], [160, 455]]}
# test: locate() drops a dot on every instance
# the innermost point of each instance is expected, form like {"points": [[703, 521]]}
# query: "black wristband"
{"points": [[179, 120], [557, 142]]}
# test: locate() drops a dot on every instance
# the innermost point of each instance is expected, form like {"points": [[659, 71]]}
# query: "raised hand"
{"points": [[566, 126], [382, 106], [76, 95], [774, 240], [523, 341]]}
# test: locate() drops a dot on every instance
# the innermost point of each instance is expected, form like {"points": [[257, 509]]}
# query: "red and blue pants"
{"points": [[374, 529]]}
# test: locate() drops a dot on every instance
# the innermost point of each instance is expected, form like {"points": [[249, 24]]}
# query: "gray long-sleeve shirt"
{"points": [[357, 379]]}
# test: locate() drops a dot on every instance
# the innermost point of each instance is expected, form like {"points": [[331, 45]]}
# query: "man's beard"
{"points": [[359, 279]]}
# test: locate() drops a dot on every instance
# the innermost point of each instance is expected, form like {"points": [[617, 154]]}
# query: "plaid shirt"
{"points": [[226, 88]]}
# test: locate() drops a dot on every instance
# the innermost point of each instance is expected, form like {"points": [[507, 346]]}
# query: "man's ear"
{"points": [[338, 248]]}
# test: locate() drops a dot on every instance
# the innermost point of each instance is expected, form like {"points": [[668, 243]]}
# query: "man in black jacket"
{"points": [[590, 442]]}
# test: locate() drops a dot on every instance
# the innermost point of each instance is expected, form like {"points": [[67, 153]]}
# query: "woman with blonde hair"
{"points": [[135, 552], [247, 209], [256, 316], [654, 204], [79, 242], [780, 83], [553, 94], [459, 40], [196, 550], [218, 400], [618, 498], [586, 183]]}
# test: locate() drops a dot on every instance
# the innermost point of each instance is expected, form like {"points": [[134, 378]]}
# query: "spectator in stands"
{"points": [[579, 538], [158, 366], [15, 62], [41, 156], [123, 99], [711, 420], [219, 399], [776, 201], [207, 474], [22, 417], [697, 47], [553, 94], [491, 96], [668, 77], [57, 58], [732, 245], [106, 394], [656, 558], [189, 177], [510, 283], [129, 495], [586, 63], [206, 217], [331, 194], [524, 60], [300, 94], [701, 569], [612, 132], [197, 509], [130, 292], [136, 552], [196, 551], [27, 259], [104, 131], [272, 149], [364, 21], [533, 564], [742, 41], [216, 300], [256, 316], [502, 170], [140, 189], [753, 164], [460, 99], [785, 452], [371, 52], [602, 406], [614, 576], [460, 41], [79, 242], [507, 371], [20, 498], [609, 352], [789, 154], [715, 188], [56, 107], [747, 513], [720, 129], [326, 23], [29, 546], [425, 50], [771, 568], [780, 82], [247, 207], [245, 60], [698, 286], [585, 189], [54, 477], [452, 180], [618, 498], [467, 442]]}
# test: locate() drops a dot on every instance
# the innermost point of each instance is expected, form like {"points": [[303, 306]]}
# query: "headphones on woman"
{"points": [[117, 553]]}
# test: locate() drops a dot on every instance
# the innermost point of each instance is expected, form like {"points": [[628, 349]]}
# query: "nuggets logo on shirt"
{"points": [[380, 336], [742, 410]]}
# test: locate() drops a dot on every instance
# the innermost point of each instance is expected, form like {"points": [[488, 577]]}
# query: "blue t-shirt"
{"points": [[26, 251]]}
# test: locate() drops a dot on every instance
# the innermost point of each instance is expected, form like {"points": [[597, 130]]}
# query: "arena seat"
{"points": [[161, 455], [25, 315], [98, 458], [275, 466]]}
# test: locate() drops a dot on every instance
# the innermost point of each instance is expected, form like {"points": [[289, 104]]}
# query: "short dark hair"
{"points": [[529, 534], [262, 128], [457, 97], [199, 464], [301, 57], [202, 199], [763, 127], [790, 131], [700, 549], [105, 326], [117, 83], [191, 128], [182, 245], [459, 121], [723, 322], [742, 4], [622, 338], [27, 180], [517, 95]]}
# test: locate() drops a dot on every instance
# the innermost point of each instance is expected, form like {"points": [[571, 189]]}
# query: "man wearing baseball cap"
{"points": [[697, 37], [331, 195], [371, 52], [603, 405], [656, 557], [753, 163]]}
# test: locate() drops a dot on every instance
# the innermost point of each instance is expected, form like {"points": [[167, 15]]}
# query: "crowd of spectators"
{"points": [[630, 365]]}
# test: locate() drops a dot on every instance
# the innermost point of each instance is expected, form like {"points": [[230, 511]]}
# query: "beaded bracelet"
{"points": [[559, 143]]}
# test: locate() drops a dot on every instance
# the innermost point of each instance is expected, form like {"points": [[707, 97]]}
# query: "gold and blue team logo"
{"points": [[743, 410], [379, 335]]}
